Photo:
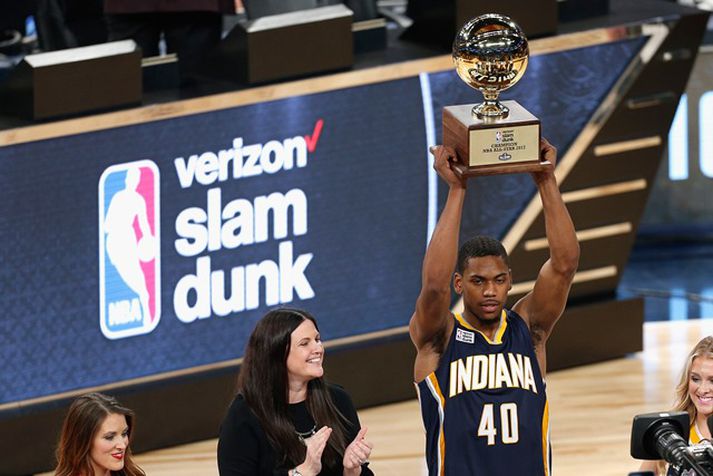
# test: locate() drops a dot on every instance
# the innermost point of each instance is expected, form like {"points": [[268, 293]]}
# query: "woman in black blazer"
{"points": [[286, 420]]}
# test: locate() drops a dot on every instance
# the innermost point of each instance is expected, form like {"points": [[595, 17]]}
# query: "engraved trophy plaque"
{"points": [[493, 137]]}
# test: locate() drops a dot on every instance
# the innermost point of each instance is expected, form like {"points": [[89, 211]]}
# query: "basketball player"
{"points": [[480, 374]]}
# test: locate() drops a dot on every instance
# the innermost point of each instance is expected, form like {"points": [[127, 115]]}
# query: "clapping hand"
{"points": [[356, 454], [315, 447]]}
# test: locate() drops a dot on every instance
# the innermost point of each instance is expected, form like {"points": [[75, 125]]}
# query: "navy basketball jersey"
{"points": [[484, 407]]}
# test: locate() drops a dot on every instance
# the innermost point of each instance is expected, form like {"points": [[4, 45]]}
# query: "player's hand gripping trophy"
{"points": [[491, 54]]}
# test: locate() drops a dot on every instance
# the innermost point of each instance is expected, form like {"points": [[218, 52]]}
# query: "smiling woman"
{"points": [[694, 395], [286, 419], [95, 439]]}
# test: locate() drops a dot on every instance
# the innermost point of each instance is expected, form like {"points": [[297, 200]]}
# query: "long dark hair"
{"points": [[80, 426], [263, 384]]}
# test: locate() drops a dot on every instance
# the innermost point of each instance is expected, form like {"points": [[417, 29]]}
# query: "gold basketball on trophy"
{"points": [[491, 54]]}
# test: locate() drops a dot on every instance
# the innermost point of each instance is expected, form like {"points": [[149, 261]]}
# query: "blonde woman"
{"points": [[694, 395]]}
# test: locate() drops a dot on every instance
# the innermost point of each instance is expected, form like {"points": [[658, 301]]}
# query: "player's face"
{"points": [[109, 445], [484, 285], [700, 385], [304, 362]]}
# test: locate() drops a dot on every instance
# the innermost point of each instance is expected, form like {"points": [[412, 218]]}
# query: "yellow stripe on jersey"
{"points": [[501, 330], [498, 334], [546, 438], [432, 383]]}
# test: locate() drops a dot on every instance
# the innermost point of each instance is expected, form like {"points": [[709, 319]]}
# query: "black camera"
{"points": [[665, 436]]}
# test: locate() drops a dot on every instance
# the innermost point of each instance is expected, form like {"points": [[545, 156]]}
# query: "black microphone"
{"points": [[661, 436], [669, 444], [709, 423], [674, 449]]}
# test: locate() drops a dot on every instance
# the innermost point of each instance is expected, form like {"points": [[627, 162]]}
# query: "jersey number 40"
{"points": [[509, 433]]}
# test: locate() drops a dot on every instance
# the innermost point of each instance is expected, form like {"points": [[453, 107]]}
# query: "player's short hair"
{"points": [[480, 246]]}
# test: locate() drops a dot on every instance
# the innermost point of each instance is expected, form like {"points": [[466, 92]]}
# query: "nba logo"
{"points": [[498, 137], [129, 249]]}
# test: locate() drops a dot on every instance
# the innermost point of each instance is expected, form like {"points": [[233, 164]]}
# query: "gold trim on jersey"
{"points": [[432, 384], [498, 334], [546, 438]]}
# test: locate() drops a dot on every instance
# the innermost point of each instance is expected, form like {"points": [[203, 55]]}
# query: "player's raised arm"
{"points": [[431, 318], [544, 305]]}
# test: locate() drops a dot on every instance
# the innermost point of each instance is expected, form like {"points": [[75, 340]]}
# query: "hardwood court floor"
{"points": [[591, 411]]}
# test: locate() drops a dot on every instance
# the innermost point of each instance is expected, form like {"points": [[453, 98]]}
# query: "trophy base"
{"points": [[493, 145], [467, 172]]}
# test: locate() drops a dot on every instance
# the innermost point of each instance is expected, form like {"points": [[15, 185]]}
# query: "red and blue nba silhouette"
{"points": [[129, 249]]}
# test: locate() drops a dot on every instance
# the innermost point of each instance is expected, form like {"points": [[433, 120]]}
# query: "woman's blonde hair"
{"points": [[683, 402]]}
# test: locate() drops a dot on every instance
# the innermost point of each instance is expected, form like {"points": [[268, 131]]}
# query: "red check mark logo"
{"points": [[314, 138]]}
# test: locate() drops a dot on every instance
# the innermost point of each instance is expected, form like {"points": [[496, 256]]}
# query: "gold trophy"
{"points": [[490, 53]]}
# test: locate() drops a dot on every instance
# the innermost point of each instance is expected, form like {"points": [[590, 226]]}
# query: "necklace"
{"points": [[302, 435]]}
